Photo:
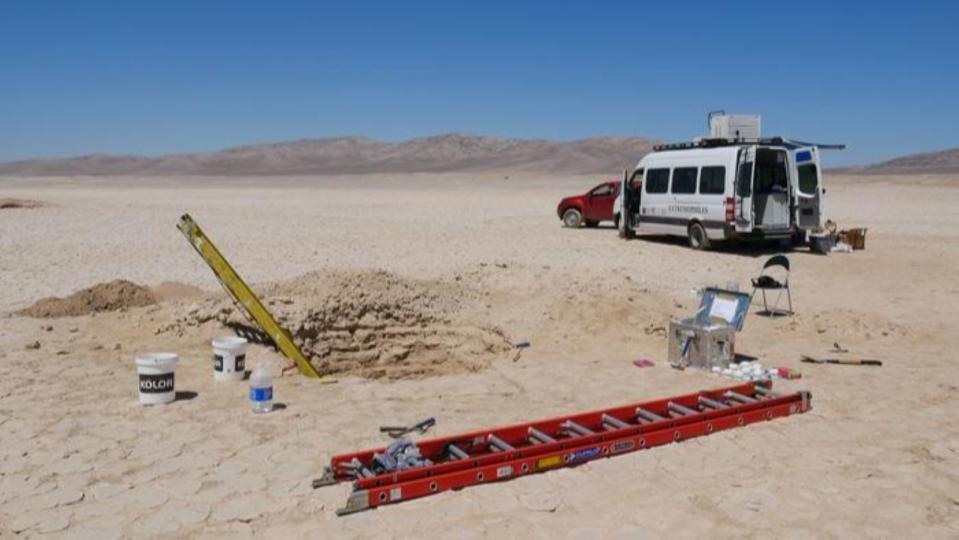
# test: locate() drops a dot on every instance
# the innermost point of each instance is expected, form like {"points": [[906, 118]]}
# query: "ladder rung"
{"points": [[498, 443], [765, 391], [681, 409], [357, 469], [456, 452], [613, 421], [739, 397], [648, 415], [569, 425], [712, 403], [538, 437]]}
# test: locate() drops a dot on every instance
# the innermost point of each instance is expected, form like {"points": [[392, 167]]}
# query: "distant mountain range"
{"points": [[942, 162], [353, 155], [442, 153]]}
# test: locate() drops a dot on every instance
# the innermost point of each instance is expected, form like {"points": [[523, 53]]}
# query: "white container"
{"points": [[229, 358], [156, 372]]}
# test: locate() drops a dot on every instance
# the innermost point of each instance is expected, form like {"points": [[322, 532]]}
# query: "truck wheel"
{"points": [[616, 221], [697, 236], [572, 218]]}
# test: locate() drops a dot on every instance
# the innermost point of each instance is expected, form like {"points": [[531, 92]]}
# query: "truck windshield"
{"points": [[808, 179]]}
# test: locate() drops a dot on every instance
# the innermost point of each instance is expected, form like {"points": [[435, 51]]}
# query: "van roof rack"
{"points": [[765, 141]]}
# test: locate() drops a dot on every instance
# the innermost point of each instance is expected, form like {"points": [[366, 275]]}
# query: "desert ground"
{"points": [[459, 267]]}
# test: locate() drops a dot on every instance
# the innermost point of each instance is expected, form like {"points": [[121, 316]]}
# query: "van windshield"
{"points": [[808, 179]]}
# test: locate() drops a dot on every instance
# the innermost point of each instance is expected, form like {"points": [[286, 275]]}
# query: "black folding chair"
{"points": [[766, 282]]}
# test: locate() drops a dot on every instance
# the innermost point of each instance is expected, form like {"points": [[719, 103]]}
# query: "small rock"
{"points": [[74, 330], [33, 346], [48, 328], [62, 353], [117, 347]]}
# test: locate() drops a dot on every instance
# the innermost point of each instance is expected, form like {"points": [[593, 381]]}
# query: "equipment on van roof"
{"points": [[733, 126], [503, 453], [709, 142]]}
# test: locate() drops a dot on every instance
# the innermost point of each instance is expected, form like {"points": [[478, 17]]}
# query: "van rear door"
{"points": [[808, 189], [744, 189]]}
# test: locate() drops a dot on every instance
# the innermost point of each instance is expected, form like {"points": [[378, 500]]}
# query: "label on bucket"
{"points": [[240, 363], [156, 384], [261, 394]]}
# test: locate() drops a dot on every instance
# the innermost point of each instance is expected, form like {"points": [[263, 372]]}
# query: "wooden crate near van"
{"points": [[854, 237]]}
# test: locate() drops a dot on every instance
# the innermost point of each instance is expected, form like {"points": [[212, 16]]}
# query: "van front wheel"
{"points": [[697, 236]]}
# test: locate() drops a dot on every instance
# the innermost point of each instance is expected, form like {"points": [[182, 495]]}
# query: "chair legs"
{"points": [[774, 311]]}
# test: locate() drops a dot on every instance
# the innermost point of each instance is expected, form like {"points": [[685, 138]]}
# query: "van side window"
{"points": [[657, 180], [712, 181], [684, 180]]}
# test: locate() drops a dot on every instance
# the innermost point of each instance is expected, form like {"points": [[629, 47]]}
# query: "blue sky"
{"points": [[160, 77]]}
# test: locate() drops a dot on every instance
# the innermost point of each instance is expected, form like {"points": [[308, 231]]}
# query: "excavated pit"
{"points": [[377, 325], [372, 324]]}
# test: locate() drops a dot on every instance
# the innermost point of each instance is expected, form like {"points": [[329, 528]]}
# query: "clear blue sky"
{"points": [[159, 77]]}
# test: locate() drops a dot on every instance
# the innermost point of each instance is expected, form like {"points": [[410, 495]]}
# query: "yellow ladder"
{"points": [[245, 298]]}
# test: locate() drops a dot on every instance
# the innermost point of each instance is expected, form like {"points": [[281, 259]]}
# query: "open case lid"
{"points": [[722, 306]]}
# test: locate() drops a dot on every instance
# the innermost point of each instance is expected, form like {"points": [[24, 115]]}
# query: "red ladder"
{"points": [[507, 452]]}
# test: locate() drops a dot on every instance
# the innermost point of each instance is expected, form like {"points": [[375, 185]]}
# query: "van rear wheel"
{"points": [[697, 236]]}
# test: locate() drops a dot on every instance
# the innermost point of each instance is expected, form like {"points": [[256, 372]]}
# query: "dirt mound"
{"points": [[371, 324], [9, 203], [102, 297]]}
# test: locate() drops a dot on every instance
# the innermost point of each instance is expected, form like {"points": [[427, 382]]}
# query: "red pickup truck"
{"points": [[591, 207]]}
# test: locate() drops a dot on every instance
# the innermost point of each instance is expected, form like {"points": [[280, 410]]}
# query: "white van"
{"points": [[719, 189]]}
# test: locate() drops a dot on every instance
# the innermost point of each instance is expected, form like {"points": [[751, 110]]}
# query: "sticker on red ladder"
{"points": [[549, 462], [622, 446], [503, 472], [585, 454], [396, 494]]}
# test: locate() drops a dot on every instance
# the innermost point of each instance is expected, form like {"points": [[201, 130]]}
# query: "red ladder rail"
{"points": [[507, 452]]}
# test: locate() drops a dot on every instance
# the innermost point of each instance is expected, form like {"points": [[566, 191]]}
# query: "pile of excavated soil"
{"points": [[10, 203], [110, 296], [372, 324]]}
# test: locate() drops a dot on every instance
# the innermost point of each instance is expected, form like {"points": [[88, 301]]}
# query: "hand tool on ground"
{"points": [[507, 452], [836, 348], [842, 361], [398, 431]]}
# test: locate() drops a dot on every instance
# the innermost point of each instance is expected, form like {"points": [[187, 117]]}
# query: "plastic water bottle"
{"points": [[261, 389]]}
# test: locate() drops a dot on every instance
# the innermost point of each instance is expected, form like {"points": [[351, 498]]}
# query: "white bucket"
{"points": [[229, 358], [156, 374]]}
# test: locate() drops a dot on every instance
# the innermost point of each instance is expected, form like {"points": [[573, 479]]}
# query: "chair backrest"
{"points": [[777, 260]]}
